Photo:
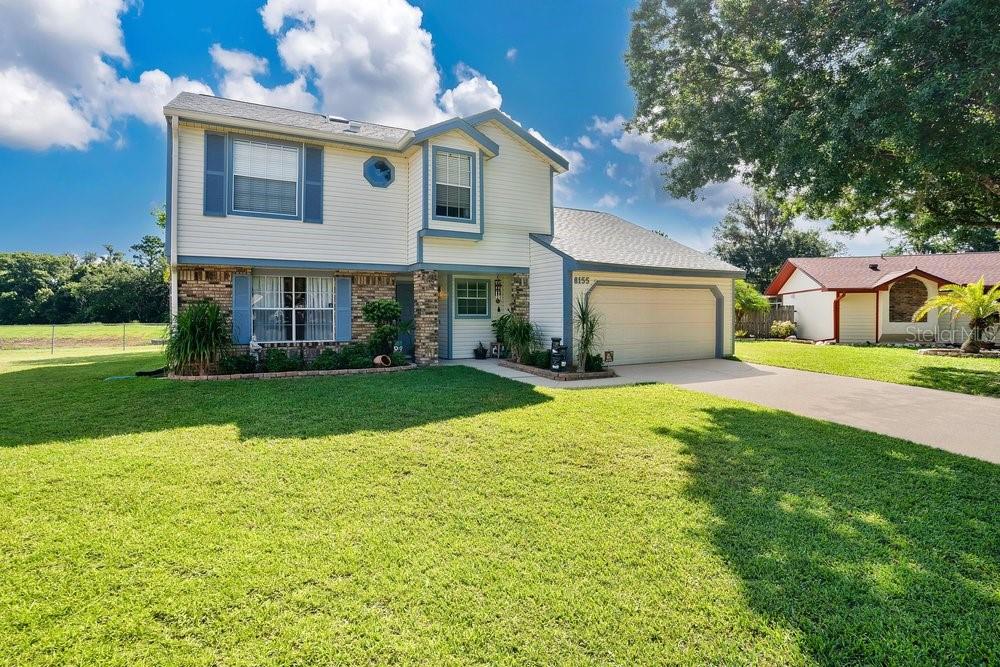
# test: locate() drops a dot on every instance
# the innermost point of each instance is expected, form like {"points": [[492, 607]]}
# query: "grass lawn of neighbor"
{"points": [[899, 365], [95, 334], [446, 516]]}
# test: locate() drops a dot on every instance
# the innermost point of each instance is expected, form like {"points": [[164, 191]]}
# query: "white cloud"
{"points": [[611, 169], [640, 145], [58, 85], [608, 126], [585, 141], [238, 71], [511, 54], [608, 200], [474, 93]]}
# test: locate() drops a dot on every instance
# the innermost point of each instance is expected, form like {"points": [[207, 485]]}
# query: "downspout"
{"points": [[836, 317], [172, 217], [877, 313]]}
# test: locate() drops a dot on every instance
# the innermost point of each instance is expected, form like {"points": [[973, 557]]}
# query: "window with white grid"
{"points": [[293, 308]]}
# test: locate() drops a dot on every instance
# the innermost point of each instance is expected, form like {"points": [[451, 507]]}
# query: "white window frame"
{"points": [[284, 145], [473, 316], [442, 179], [254, 309]]}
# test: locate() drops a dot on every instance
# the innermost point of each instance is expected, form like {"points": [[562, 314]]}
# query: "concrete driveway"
{"points": [[958, 423]]}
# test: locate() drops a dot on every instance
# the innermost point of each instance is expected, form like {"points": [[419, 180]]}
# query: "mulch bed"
{"points": [[552, 375]]}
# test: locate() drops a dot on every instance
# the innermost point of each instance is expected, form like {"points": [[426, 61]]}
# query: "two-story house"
{"points": [[292, 221]]}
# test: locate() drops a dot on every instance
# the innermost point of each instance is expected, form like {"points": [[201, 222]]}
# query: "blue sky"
{"points": [[89, 164]]}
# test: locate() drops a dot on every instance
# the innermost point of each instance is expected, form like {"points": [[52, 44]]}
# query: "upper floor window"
{"points": [[453, 185], [265, 177], [379, 172], [293, 308]]}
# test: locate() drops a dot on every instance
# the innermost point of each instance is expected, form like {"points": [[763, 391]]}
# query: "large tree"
{"points": [[757, 235], [869, 113]]}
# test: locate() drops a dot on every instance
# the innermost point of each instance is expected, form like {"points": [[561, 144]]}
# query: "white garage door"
{"points": [[648, 324]]}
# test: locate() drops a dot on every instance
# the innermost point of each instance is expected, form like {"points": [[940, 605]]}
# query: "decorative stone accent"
{"points": [[955, 352], [905, 298], [425, 316], [215, 283], [295, 374], [519, 295]]}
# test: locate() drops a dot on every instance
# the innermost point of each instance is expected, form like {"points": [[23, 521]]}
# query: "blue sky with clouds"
{"points": [[82, 146]]}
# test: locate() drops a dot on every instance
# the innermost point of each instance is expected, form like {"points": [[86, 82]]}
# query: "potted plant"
{"points": [[480, 351]]}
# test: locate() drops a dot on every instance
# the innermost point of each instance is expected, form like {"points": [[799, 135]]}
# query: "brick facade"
{"points": [[425, 316], [905, 298], [366, 287], [519, 294], [215, 283]]}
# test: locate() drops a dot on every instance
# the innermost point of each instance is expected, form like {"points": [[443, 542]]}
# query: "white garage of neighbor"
{"points": [[658, 300]]}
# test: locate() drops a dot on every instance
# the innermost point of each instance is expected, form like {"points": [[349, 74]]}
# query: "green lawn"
{"points": [[889, 364], [22, 336], [446, 516]]}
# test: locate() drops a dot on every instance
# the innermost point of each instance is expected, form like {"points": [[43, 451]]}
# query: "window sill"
{"points": [[444, 218]]}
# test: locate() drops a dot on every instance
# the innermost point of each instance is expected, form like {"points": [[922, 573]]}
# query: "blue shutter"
{"points": [[342, 306], [312, 188], [215, 174], [242, 317]]}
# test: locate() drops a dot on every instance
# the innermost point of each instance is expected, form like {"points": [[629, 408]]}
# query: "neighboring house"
{"points": [[873, 299], [292, 221]]}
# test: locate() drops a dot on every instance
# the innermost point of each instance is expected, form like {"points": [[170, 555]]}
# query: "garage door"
{"points": [[648, 324]]}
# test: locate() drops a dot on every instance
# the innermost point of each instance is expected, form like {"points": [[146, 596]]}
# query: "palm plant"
{"points": [[587, 322], [201, 335], [974, 301]]}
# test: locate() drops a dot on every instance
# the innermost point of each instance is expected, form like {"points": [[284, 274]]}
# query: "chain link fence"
{"points": [[122, 335]]}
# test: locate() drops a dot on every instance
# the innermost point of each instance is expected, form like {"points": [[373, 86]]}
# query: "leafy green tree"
{"points": [[746, 298], [757, 235], [959, 239], [869, 113], [33, 288]]}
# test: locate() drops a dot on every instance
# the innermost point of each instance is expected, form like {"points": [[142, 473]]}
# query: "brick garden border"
{"points": [[294, 374], [541, 372]]}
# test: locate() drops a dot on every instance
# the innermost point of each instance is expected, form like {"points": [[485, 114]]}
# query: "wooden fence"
{"points": [[759, 323]]}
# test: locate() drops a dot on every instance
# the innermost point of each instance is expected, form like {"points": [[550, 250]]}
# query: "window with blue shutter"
{"points": [[342, 303], [242, 317], [312, 193], [215, 174]]}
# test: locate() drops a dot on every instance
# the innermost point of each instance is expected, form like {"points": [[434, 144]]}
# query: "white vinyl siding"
{"points": [[467, 332], [799, 281], [545, 290], [414, 215], [265, 177], [361, 224], [293, 308], [813, 314]]}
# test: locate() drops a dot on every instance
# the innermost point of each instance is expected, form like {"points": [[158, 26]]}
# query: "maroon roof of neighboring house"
{"points": [[856, 273]]}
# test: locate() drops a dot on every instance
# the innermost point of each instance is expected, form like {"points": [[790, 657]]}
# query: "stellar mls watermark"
{"points": [[950, 336]]}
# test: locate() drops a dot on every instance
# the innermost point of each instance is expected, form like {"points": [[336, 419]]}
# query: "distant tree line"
{"points": [[44, 288]]}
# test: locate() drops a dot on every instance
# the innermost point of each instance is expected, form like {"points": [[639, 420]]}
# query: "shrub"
{"points": [[521, 336], [782, 329], [539, 358], [237, 363], [399, 359], [200, 337], [594, 363], [740, 333], [384, 315], [327, 360], [500, 327], [356, 355], [279, 361], [588, 327]]}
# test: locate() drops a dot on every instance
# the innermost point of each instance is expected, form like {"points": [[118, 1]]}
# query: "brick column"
{"points": [[425, 317], [519, 294]]}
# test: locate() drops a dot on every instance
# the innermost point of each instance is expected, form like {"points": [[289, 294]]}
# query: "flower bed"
{"points": [[295, 374], [552, 375], [955, 352]]}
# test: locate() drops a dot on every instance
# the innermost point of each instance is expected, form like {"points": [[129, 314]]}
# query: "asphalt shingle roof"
{"points": [[855, 272], [594, 236], [261, 113]]}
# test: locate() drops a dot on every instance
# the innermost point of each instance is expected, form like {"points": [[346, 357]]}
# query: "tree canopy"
{"points": [[867, 113], [758, 236]]}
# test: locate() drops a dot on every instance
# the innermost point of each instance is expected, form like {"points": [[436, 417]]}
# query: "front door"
{"points": [[404, 295]]}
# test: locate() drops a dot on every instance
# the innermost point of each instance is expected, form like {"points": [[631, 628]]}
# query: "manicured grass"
{"points": [[21, 336], [445, 516], [888, 364]]}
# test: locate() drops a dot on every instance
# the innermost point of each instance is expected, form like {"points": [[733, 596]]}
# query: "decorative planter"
{"points": [[552, 375], [294, 374]]}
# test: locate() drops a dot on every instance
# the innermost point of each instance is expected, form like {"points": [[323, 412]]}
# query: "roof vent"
{"points": [[336, 119], [353, 126], [873, 267]]}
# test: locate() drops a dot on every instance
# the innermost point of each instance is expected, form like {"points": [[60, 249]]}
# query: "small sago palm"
{"points": [[974, 301], [588, 329]]}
